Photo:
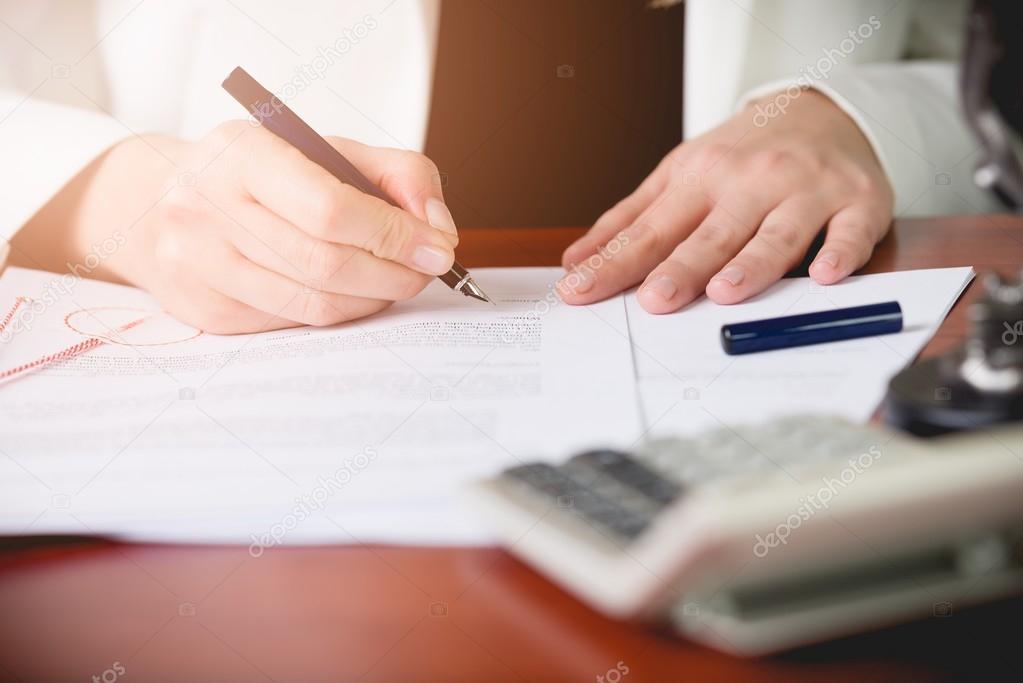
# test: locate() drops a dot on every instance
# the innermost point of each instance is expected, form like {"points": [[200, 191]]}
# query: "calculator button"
{"points": [[613, 512], [605, 486], [630, 473], [540, 476]]}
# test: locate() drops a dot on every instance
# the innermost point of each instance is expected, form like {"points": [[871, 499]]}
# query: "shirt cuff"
{"points": [[52, 143], [909, 114]]}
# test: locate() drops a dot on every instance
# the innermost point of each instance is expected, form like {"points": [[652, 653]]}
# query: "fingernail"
{"points": [[439, 216], [661, 286], [577, 282], [572, 251], [431, 259], [827, 257], [733, 275]]}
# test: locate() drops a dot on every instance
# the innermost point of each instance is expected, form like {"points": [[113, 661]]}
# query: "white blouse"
{"points": [[76, 76]]}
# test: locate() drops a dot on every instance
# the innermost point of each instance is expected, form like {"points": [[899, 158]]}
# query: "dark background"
{"points": [[520, 142]]}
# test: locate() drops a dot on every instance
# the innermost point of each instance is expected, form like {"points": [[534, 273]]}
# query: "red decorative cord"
{"points": [[10, 314], [69, 352]]}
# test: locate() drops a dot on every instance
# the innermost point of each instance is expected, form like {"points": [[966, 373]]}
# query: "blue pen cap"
{"points": [[812, 328]]}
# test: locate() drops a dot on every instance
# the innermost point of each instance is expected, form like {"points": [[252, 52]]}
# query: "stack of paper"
{"points": [[365, 432]]}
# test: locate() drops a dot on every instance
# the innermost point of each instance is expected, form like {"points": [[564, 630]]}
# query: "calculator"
{"points": [[765, 538]]}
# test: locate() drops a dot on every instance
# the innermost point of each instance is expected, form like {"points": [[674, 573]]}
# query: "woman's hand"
{"points": [[730, 212], [240, 232]]}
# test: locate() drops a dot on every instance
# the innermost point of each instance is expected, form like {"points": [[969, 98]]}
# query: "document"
{"points": [[361, 432], [139, 427], [688, 384]]}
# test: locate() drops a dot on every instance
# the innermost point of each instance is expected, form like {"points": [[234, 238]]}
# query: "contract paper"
{"points": [[364, 432], [688, 384], [367, 431]]}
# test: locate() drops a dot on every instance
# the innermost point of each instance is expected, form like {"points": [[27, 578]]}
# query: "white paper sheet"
{"points": [[365, 432], [360, 432], [688, 384]]}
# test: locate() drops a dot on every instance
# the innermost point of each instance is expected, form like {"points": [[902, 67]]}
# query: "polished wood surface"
{"points": [[74, 610]]}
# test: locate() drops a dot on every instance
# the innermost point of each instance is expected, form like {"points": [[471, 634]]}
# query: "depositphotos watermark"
{"points": [[110, 675], [816, 72], [519, 328], [1012, 333], [615, 673], [314, 501], [811, 504], [313, 70], [61, 286], [589, 268]]}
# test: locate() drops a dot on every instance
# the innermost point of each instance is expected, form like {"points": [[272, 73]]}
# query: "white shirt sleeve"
{"points": [[45, 146], [909, 112], [908, 109], [76, 78]]}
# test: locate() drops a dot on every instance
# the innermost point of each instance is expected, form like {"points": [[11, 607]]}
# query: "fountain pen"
{"points": [[279, 119]]}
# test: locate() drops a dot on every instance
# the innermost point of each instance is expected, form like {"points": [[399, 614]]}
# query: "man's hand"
{"points": [[730, 212], [240, 232]]}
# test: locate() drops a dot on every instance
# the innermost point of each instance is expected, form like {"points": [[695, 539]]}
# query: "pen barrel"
{"points": [[812, 328], [454, 277], [269, 111]]}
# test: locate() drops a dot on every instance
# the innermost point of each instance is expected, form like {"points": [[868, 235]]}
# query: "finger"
{"points": [[219, 314], [780, 243], [852, 234], [411, 179], [302, 193], [227, 271], [683, 276], [629, 256], [615, 219], [269, 241]]}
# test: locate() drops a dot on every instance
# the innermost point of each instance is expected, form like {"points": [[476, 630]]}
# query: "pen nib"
{"points": [[470, 288]]}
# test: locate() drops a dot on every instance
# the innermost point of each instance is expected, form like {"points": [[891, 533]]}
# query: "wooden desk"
{"points": [[70, 610]]}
